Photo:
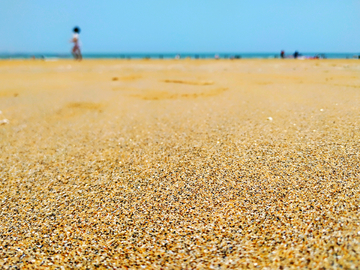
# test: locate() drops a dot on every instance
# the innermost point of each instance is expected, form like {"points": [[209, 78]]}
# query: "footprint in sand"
{"points": [[76, 108], [189, 82], [9, 93], [161, 95], [127, 78]]}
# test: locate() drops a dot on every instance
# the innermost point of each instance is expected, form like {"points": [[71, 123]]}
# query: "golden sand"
{"points": [[192, 164]]}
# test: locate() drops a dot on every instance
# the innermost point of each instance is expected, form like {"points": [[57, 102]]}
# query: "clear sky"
{"points": [[181, 25]]}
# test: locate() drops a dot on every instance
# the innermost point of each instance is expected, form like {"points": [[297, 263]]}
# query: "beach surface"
{"points": [[180, 164]]}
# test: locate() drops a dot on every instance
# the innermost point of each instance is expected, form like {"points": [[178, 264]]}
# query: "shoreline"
{"points": [[232, 56], [353, 60]]}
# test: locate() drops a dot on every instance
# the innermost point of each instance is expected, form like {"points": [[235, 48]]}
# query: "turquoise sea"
{"points": [[230, 55]]}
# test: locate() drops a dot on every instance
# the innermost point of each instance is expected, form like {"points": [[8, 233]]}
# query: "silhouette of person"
{"points": [[76, 52], [282, 54], [296, 54]]}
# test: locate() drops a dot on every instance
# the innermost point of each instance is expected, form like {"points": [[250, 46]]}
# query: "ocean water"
{"points": [[230, 55]]}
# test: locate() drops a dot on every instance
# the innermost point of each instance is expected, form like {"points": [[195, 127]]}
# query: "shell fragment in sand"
{"points": [[270, 118], [4, 122]]}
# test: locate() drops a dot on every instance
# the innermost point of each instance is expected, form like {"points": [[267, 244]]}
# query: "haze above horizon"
{"points": [[187, 26]]}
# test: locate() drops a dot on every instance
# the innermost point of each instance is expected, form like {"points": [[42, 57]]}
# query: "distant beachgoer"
{"points": [[76, 52], [282, 54], [296, 54]]}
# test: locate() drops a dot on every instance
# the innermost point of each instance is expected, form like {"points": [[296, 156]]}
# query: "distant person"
{"points": [[76, 52], [296, 54], [282, 54]]}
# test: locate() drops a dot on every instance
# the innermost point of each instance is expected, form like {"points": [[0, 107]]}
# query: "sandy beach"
{"points": [[180, 164]]}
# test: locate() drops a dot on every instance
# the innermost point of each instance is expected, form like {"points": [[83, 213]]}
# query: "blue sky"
{"points": [[181, 26]]}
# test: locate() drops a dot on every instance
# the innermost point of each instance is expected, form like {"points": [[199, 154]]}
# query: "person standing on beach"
{"points": [[76, 52]]}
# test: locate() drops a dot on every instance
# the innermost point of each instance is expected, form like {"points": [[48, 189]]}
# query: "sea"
{"points": [[230, 55]]}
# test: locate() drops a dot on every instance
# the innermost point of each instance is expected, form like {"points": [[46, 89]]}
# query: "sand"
{"points": [[170, 164]]}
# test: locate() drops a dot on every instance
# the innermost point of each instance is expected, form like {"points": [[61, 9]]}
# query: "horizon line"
{"points": [[184, 52]]}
